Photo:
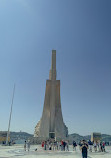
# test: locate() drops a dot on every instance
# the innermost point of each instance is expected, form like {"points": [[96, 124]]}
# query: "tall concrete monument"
{"points": [[51, 124]]}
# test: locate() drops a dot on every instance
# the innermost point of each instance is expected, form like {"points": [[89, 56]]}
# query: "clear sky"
{"points": [[80, 31]]}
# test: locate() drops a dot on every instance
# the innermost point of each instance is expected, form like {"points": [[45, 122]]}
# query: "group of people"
{"points": [[55, 145], [84, 146], [64, 146], [99, 146]]}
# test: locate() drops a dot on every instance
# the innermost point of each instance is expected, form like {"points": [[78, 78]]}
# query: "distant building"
{"points": [[96, 137], [3, 136]]}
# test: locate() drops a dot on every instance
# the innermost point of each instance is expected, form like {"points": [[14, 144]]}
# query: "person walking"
{"points": [[67, 146], [59, 145], [74, 145], [84, 149], [95, 146], [103, 145], [45, 145], [42, 144], [80, 144], [90, 145], [28, 145], [64, 145], [25, 145]]}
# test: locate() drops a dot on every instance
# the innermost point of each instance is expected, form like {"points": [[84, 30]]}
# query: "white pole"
{"points": [[8, 132]]}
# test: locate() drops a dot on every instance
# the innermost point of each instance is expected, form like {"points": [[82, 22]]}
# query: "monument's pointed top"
{"points": [[53, 66], [53, 51], [52, 75]]}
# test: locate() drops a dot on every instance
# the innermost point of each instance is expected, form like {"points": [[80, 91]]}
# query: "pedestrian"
{"points": [[42, 144], [55, 145], [67, 146], [64, 145], [59, 145], [90, 145], [50, 148], [84, 149], [74, 145], [80, 144], [95, 146], [103, 145], [45, 145], [28, 145], [25, 145]]}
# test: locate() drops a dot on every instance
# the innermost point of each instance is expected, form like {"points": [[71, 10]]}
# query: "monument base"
{"points": [[38, 140]]}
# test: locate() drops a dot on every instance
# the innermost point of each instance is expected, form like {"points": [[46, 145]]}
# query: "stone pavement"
{"points": [[17, 151]]}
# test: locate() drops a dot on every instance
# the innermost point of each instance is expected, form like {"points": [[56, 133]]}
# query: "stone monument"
{"points": [[51, 124]]}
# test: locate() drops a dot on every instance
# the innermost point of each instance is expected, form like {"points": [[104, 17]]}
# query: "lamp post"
{"points": [[8, 132]]}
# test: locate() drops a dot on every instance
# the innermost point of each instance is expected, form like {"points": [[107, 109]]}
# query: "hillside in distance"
{"points": [[76, 137]]}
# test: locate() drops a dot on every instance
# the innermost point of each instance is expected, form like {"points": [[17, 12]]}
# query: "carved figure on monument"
{"points": [[51, 124]]}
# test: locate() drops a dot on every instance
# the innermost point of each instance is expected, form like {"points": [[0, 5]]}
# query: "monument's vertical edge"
{"points": [[51, 124]]}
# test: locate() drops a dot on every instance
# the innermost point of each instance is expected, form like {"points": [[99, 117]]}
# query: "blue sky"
{"points": [[80, 31]]}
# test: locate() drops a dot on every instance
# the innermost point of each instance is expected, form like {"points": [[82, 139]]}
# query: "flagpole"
{"points": [[8, 132]]}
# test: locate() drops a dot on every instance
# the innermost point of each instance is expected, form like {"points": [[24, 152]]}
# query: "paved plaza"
{"points": [[17, 151]]}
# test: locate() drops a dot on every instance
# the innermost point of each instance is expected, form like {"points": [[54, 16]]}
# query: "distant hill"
{"points": [[18, 135], [71, 137], [106, 137], [78, 137]]}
